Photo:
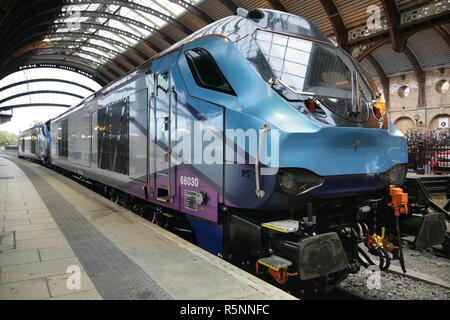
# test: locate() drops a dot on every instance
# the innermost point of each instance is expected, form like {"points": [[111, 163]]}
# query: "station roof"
{"points": [[103, 39]]}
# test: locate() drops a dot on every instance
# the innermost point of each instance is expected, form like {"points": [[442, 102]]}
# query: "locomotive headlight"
{"points": [[396, 175], [298, 181]]}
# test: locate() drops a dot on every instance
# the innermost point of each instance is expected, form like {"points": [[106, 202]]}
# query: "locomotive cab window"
{"points": [[206, 72]]}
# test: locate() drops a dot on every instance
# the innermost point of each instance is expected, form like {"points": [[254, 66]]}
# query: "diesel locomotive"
{"points": [[258, 136]]}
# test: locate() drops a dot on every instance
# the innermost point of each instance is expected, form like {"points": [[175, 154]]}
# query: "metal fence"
{"points": [[429, 151]]}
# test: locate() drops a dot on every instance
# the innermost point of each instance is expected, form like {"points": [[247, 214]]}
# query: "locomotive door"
{"points": [[162, 152]]}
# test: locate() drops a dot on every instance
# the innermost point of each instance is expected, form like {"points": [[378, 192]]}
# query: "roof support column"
{"points": [[420, 76], [336, 21], [392, 14], [385, 81]]}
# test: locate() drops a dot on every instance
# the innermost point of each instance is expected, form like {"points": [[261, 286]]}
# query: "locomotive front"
{"points": [[334, 186]]}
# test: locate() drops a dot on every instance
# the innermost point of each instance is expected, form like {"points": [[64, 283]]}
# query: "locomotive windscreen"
{"points": [[312, 67]]}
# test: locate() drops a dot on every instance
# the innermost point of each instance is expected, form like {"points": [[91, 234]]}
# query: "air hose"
{"points": [[385, 260], [399, 243]]}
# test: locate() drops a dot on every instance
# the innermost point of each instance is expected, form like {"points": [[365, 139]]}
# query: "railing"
{"points": [[429, 151]]}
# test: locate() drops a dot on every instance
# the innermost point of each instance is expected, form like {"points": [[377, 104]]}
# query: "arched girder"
{"points": [[16, 84], [62, 58], [135, 6], [127, 4], [37, 36], [83, 25], [102, 49], [55, 13], [61, 49], [385, 81], [193, 9], [28, 93], [420, 75], [392, 13], [372, 48], [64, 44], [74, 64], [27, 105], [340, 30]]}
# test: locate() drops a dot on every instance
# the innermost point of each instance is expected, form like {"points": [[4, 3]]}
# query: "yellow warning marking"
{"points": [[273, 228], [268, 265]]}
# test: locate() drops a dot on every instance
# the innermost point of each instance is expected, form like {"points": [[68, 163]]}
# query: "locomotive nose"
{"points": [[344, 151]]}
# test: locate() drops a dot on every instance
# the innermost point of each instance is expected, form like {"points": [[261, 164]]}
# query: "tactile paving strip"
{"points": [[114, 274]]}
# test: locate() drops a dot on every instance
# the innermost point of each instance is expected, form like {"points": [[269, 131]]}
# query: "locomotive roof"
{"points": [[233, 27]]}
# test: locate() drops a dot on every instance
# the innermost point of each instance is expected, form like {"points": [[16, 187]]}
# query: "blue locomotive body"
{"points": [[257, 129]]}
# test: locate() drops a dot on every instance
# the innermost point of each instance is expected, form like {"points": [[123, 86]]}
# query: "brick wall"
{"points": [[404, 110]]}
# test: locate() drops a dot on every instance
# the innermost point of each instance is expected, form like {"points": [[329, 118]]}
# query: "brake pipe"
{"points": [[399, 203]]}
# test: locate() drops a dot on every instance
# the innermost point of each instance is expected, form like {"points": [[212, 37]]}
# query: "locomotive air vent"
{"points": [[253, 15]]}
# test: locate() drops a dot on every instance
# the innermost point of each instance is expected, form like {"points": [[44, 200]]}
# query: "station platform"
{"points": [[60, 240]]}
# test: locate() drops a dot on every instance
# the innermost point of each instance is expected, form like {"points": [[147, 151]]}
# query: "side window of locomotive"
{"points": [[206, 72]]}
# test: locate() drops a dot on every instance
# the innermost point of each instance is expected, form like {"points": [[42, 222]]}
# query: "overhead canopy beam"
{"points": [[28, 93], [193, 9], [16, 84], [420, 76], [79, 66], [54, 13], [337, 22], [444, 34], [73, 61], [230, 5], [66, 44], [64, 50], [385, 81], [277, 5], [39, 35], [49, 25], [392, 14], [127, 4], [15, 106], [83, 25]]}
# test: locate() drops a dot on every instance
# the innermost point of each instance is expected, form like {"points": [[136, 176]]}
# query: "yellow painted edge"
{"points": [[273, 228], [268, 266]]}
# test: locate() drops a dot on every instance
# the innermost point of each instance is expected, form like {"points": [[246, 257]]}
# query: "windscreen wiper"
{"points": [[274, 81], [355, 100]]}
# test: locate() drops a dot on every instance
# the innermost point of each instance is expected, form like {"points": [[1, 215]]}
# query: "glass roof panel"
{"points": [[89, 57]]}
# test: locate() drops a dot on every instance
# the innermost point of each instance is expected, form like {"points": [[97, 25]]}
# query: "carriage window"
{"points": [[63, 150], [206, 72], [113, 136]]}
